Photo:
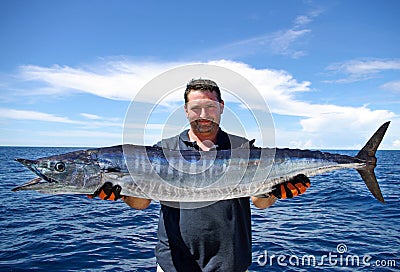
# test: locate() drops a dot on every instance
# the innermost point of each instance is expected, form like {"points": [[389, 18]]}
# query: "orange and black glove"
{"points": [[108, 192], [291, 188]]}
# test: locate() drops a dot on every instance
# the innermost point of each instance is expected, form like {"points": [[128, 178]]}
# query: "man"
{"points": [[216, 237]]}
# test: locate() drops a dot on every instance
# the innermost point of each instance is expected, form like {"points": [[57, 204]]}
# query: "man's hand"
{"points": [[291, 188], [108, 192]]}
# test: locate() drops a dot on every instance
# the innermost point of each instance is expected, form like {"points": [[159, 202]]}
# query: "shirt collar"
{"points": [[222, 141]]}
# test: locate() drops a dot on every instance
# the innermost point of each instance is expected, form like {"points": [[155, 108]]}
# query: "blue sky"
{"points": [[328, 70]]}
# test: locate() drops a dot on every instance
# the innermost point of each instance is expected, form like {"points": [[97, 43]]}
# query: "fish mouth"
{"points": [[29, 184], [41, 179]]}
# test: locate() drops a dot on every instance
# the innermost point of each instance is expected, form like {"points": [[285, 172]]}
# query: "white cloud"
{"points": [[81, 134], [279, 89], [392, 86], [29, 115], [396, 144], [34, 115], [91, 116], [302, 20], [305, 19], [323, 125], [113, 79], [372, 66], [281, 42], [122, 80], [97, 120], [356, 70]]}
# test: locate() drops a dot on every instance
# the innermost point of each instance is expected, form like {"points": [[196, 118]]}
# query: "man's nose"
{"points": [[203, 113]]}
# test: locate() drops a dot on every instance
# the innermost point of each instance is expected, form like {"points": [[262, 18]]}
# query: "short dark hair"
{"points": [[202, 85]]}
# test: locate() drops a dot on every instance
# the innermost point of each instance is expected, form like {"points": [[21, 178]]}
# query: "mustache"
{"points": [[205, 122]]}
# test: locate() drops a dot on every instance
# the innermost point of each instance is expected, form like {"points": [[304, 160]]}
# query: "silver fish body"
{"points": [[192, 176]]}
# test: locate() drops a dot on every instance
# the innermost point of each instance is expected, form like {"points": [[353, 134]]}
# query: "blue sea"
{"points": [[336, 224]]}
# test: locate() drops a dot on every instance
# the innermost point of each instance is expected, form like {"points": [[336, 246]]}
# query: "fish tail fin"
{"points": [[367, 154]]}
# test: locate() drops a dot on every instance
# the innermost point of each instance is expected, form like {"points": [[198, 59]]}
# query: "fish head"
{"points": [[73, 172]]}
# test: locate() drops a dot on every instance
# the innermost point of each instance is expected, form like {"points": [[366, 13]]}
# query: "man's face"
{"points": [[204, 112]]}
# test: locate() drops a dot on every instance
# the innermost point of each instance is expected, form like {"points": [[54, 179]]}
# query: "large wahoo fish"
{"points": [[192, 176]]}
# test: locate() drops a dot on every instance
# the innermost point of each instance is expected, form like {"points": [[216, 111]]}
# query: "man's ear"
{"points": [[222, 106]]}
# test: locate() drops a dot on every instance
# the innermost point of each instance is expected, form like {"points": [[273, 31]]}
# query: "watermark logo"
{"points": [[187, 179], [340, 257], [341, 248]]}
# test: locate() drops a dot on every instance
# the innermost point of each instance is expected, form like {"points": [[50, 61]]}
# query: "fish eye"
{"points": [[59, 167]]}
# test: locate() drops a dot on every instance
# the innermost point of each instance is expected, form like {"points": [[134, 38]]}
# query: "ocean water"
{"points": [[336, 224]]}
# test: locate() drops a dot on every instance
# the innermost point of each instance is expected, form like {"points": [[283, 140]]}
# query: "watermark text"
{"points": [[338, 258]]}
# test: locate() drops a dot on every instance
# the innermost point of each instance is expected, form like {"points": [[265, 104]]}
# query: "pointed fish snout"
{"points": [[25, 161]]}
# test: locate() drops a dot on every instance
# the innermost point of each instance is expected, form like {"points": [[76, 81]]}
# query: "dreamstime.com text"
{"points": [[338, 258]]}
